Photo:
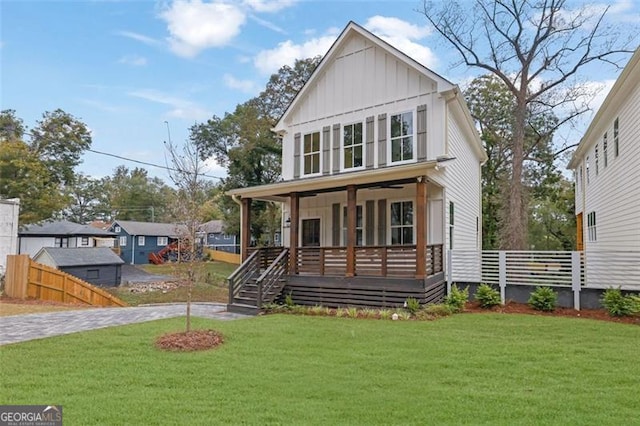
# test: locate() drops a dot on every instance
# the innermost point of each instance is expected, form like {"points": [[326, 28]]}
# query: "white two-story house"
{"points": [[606, 167], [381, 175]]}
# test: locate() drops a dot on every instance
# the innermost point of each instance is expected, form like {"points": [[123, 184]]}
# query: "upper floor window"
{"points": [[352, 145], [596, 155], [616, 126], [163, 241], [61, 242], [402, 137], [117, 229], [587, 167], [141, 240], [402, 222], [85, 241], [311, 153], [604, 149]]}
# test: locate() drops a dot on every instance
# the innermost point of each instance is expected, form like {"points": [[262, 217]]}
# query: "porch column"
{"points": [[351, 230], [245, 228], [293, 233], [421, 227]]}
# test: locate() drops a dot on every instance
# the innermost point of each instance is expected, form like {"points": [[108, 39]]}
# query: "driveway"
{"points": [[134, 274]]}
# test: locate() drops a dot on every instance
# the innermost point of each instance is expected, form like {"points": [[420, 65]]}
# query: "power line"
{"points": [[147, 164]]}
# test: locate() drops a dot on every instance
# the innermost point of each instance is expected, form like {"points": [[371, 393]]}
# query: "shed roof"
{"points": [[63, 227], [82, 256], [151, 228]]}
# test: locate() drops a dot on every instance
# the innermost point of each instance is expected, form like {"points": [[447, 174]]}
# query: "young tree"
{"points": [[537, 49]]}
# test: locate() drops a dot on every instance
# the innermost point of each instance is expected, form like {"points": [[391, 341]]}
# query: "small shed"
{"points": [[97, 265]]}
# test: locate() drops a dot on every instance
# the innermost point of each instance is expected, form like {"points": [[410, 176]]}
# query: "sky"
{"points": [[140, 73]]}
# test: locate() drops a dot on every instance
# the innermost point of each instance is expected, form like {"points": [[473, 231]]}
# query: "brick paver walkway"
{"points": [[20, 328]]}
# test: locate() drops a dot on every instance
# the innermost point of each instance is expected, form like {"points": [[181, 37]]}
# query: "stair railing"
{"points": [[272, 276], [246, 271]]}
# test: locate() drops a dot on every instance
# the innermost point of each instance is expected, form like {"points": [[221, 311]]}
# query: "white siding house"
{"points": [[606, 167], [380, 164]]}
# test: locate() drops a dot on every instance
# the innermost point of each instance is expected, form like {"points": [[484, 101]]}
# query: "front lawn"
{"points": [[464, 369]]}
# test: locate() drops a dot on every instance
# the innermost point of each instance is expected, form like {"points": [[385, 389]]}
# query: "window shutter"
{"points": [[336, 148], [326, 149], [370, 221], [382, 140], [369, 131], [296, 155], [422, 132], [335, 224], [382, 222]]}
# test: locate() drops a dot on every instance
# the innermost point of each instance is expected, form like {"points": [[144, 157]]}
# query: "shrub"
{"points": [[487, 296], [369, 313], [288, 301], [404, 315], [438, 310], [342, 312], [543, 299], [352, 312], [317, 310], [412, 305], [385, 314], [457, 298], [619, 305]]}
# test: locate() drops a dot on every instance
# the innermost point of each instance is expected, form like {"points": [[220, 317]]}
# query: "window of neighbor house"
{"points": [[352, 145], [402, 137], [140, 240], [123, 241], [61, 242], [402, 223], [616, 138], [163, 241], [591, 227], [117, 229], [311, 150], [85, 241]]}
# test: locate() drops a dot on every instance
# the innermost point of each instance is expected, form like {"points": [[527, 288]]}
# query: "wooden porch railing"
{"points": [[271, 279], [377, 261], [248, 270]]}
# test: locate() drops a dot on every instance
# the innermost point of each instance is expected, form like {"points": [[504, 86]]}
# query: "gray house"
{"points": [[63, 234], [213, 236], [97, 265]]}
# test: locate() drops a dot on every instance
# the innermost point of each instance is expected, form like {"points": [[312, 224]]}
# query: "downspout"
{"points": [[133, 250], [236, 199]]}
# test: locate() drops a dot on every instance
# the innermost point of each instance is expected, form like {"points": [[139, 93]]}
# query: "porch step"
{"points": [[240, 308]]}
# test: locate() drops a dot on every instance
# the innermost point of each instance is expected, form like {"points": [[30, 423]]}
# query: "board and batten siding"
{"points": [[614, 193], [462, 177]]}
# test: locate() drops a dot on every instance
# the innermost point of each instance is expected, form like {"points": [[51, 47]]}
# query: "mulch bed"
{"points": [[522, 308], [189, 341]]}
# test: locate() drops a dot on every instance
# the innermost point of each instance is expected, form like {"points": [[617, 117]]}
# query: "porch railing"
{"points": [[249, 269], [270, 282], [377, 261]]}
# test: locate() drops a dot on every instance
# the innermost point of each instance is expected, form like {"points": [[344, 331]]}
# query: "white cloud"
{"points": [[133, 60], [195, 26], [246, 86], [180, 108], [403, 36], [268, 6], [138, 37], [268, 24]]}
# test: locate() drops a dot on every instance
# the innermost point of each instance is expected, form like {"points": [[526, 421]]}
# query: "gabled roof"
{"points": [[336, 47], [63, 228], [629, 78], [151, 229], [212, 227], [85, 256]]}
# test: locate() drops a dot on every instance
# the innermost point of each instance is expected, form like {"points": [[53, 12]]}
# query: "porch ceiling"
{"points": [[362, 179]]}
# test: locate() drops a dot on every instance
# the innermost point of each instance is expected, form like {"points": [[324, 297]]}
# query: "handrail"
{"points": [[243, 274], [272, 275]]}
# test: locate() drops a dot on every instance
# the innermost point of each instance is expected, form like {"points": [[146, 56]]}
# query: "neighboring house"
{"points": [[137, 240], [9, 212], [606, 167], [381, 174], [63, 234], [214, 237], [96, 265]]}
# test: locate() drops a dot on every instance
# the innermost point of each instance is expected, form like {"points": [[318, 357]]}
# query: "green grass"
{"points": [[466, 369], [211, 284]]}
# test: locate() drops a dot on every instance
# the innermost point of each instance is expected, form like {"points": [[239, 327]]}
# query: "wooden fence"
{"points": [[223, 256], [28, 279]]}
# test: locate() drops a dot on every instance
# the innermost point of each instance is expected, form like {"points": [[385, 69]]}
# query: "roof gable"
{"points": [[353, 38], [151, 228], [62, 228]]}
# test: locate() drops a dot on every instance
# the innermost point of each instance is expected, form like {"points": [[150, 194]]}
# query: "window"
{"points": [[402, 222], [604, 149], [163, 241], [615, 137], [402, 137], [451, 224], [123, 241], [141, 240], [117, 229], [596, 155], [85, 241], [93, 273], [352, 145], [359, 225], [312, 153], [587, 166], [591, 227], [61, 242]]}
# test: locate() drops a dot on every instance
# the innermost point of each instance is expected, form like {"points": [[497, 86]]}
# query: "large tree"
{"points": [[243, 142], [537, 49]]}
